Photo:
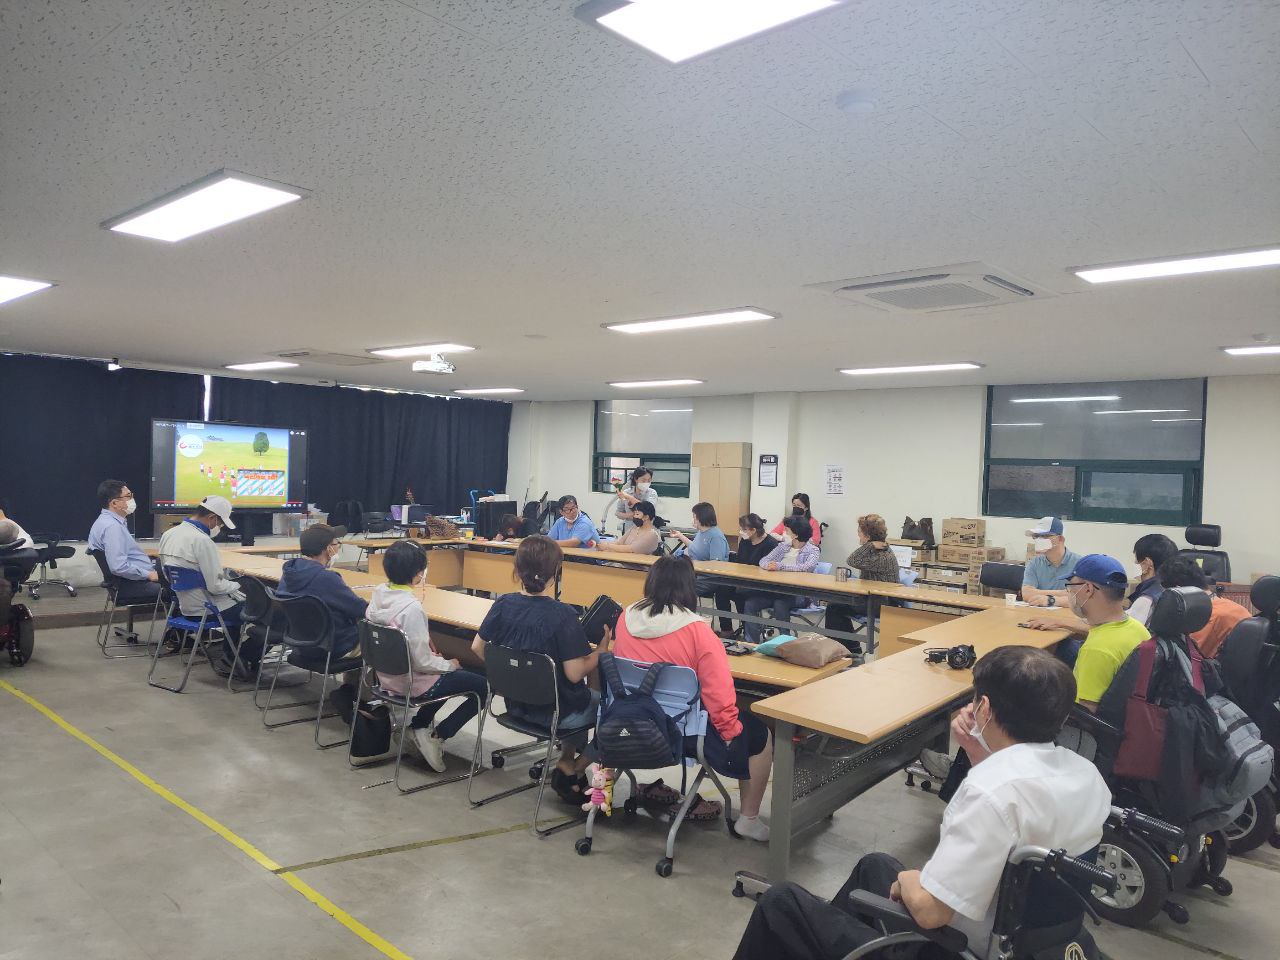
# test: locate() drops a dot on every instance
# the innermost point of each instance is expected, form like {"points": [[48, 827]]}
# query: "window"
{"points": [[1114, 452], [655, 433]]}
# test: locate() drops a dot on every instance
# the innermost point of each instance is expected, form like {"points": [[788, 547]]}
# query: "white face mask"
{"points": [[977, 732], [788, 540], [1042, 544], [642, 487], [215, 530], [744, 534], [130, 505]]}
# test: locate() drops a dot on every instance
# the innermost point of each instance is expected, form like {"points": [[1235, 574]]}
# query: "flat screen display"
{"points": [[255, 467]]}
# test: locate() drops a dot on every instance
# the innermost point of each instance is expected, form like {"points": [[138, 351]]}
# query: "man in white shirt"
{"points": [[1022, 790]]}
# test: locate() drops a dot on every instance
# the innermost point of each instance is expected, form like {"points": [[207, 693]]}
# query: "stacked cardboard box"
{"points": [[918, 553], [964, 542]]}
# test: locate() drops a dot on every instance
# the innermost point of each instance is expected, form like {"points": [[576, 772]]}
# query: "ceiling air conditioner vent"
{"points": [[958, 286], [326, 359]]}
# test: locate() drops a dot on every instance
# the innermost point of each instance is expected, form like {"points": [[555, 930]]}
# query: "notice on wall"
{"points": [[835, 480], [768, 470]]}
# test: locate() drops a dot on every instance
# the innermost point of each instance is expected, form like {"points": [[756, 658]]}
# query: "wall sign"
{"points": [[768, 470]]}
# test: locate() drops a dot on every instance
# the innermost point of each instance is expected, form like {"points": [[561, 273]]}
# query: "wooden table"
{"points": [[882, 715]]}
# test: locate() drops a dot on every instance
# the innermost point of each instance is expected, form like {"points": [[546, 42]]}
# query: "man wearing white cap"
{"points": [[1044, 581], [190, 544]]}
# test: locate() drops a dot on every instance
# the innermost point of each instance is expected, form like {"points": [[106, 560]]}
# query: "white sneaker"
{"points": [[753, 828], [430, 746], [936, 763]]}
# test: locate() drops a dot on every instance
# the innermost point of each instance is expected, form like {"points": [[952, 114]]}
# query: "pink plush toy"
{"points": [[601, 793]]}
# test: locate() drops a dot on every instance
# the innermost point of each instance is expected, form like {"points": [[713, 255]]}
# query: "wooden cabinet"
{"points": [[724, 479]]}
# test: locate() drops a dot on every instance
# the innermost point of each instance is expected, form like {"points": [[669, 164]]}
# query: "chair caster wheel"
{"points": [[1221, 886], [1176, 912], [535, 772], [583, 846], [1275, 840], [664, 867], [497, 761], [738, 891], [629, 807], [71, 591]]}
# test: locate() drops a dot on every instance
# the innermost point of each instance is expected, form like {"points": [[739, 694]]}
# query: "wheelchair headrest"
{"points": [[1204, 535], [1265, 595], [1179, 611]]}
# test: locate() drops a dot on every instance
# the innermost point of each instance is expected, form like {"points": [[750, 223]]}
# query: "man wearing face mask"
{"points": [[139, 583], [189, 544], [309, 576], [1021, 790], [1044, 580]]}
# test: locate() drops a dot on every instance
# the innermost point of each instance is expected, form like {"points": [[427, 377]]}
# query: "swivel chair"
{"points": [[48, 553]]}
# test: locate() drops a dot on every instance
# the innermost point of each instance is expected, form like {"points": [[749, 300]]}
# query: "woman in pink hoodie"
{"points": [[664, 627]]}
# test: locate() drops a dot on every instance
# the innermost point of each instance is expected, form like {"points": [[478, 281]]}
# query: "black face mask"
{"points": [[797, 511], [638, 523]]}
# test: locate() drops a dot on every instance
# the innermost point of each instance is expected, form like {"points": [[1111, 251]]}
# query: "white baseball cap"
{"points": [[1047, 527], [222, 507]]}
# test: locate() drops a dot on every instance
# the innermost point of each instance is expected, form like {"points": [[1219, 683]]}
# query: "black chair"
{"points": [[258, 617], [385, 650], [377, 522], [1250, 660], [1215, 563], [1005, 577], [307, 638], [106, 626], [16, 564], [529, 679], [49, 551]]}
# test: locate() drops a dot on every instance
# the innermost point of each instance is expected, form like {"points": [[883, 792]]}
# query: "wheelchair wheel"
{"points": [[19, 635], [1144, 881], [1255, 825]]}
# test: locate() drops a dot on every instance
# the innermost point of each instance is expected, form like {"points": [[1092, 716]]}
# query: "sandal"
{"points": [[705, 810], [567, 787], [658, 794]]}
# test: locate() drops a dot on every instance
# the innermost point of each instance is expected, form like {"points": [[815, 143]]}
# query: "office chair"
{"points": [[1005, 577], [1215, 563], [49, 552], [377, 522]]}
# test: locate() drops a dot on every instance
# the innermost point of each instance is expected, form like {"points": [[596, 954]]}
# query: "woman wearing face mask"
{"points": [[800, 508], [795, 554], [638, 489], [753, 546], [641, 536], [1150, 552]]}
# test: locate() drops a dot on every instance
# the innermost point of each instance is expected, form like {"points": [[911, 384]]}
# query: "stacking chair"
{"points": [[528, 678], [259, 616], [680, 697], [309, 633], [385, 650], [106, 627], [48, 552], [179, 579], [813, 611]]}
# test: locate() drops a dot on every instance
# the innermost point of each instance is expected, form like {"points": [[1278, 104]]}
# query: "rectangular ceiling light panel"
{"points": [[637, 384], [214, 201], [691, 321], [917, 368], [11, 288], [422, 350], [1180, 266]]}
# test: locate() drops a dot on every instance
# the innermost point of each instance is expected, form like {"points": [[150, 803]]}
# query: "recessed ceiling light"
{"points": [[1104, 413], [1251, 351], [1180, 266], [213, 201], [481, 390], [1017, 424], [631, 384], [681, 410], [915, 368], [718, 318], [261, 365], [422, 350], [11, 288], [1061, 399], [1176, 420], [677, 30]]}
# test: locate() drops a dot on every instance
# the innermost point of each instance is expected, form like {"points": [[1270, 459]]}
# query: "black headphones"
{"points": [[960, 657]]}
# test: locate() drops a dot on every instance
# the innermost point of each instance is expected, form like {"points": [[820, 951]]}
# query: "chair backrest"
{"points": [[1180, 611], [677, 692], [184, 578], [384, 648], [1002, 576], [823, 567], [113, 582], [1205, 538], [257, 598], [521, 675], [1265, 597], [310, 624]]}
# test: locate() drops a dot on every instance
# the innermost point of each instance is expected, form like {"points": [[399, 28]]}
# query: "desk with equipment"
{"points": [[876, 719]]}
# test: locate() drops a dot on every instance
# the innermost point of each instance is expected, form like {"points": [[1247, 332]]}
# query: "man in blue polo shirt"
{"points": [[574, 528], [138, 584], [1044, 581]]}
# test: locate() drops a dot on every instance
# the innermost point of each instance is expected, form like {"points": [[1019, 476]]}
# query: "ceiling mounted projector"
{"points": [[434, 364]]}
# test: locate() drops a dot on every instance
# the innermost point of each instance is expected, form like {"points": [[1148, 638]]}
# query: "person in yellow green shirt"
{"points": [[1095, 592]]}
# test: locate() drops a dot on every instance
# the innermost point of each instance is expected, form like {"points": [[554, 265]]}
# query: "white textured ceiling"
{"points": [[499, 173]]}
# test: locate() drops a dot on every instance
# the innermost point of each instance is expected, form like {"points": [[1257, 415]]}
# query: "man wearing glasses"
{"points": [[138, 581]]}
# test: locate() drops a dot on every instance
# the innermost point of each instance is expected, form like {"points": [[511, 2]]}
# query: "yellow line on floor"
{"points": [[383, 946]]}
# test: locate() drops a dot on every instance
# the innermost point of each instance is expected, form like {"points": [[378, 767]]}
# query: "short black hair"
{"points": [[1031, 691], [670, 585], [510, 522], [705, 513], [641, 471], [1182, 572], [751, 521], [645, 507], [564, 501], [109, 490], [403, 561], [800, 527], [1155, 547]]}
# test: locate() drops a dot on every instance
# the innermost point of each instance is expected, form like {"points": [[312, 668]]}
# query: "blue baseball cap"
{"points": [[1100, 569], [1046, 527]]}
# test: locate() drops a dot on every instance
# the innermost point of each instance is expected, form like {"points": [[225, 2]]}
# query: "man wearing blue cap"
{"points": [[1044, 580], [1095, 593]]}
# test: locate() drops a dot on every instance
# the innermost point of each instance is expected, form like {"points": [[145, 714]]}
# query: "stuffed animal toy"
{"points": [[600, 794]]}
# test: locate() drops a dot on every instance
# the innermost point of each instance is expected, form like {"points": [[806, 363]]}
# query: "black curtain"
{"points": [[70, 424], [371, 446]]}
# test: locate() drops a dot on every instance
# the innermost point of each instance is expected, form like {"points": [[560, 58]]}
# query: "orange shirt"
{"points": [[1226, 614]]}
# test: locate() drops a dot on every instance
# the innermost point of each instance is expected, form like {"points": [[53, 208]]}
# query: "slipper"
{"points": [[705, 810], [568, 788], [659, 793]]}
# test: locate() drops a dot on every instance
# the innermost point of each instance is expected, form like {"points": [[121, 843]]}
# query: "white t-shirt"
{"points": [[1033, 794], [23, 538]]}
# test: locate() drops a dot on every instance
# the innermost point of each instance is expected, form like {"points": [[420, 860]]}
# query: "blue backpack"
{"points": [[634, 732]]}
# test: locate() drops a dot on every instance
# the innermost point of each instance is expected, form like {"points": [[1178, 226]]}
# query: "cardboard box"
{"points": [[968, 555], [964, 531]]}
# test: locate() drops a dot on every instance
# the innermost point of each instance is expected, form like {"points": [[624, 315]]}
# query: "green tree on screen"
{"points": [[260, 443]]}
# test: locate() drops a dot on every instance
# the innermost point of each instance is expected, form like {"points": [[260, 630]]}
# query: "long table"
{"points": [[880, 715]]}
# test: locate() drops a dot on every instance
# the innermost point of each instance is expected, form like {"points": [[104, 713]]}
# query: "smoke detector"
{"points": [[433, 364]]}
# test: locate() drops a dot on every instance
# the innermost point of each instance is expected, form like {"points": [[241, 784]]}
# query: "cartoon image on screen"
{"points": [[247, 465]]}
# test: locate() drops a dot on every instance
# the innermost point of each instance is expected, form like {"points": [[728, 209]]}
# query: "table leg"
{"points": [[784, 757], [873, 611]]}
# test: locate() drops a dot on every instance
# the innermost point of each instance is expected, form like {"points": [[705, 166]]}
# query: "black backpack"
{"points": [[634, 732]]}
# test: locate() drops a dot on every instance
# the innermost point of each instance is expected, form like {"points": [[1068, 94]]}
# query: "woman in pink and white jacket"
{"points": [[797, 553]]}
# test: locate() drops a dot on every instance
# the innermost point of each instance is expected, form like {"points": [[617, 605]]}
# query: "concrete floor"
{"points": [[94, 864]]}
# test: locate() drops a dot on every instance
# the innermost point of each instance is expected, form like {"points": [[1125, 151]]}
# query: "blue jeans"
{"points": [[454, 682]]}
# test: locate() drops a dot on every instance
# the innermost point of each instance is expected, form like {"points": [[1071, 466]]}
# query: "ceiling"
{"points": [[499, 173]]}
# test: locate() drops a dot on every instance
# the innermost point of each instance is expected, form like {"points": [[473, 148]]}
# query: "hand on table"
{"points": [[1044, 623], [771, 566]]}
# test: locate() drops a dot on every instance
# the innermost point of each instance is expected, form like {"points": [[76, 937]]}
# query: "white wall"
{"points": [[918, 452]]}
